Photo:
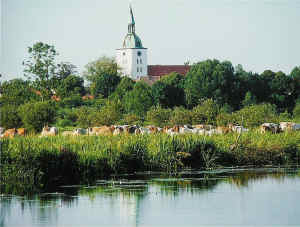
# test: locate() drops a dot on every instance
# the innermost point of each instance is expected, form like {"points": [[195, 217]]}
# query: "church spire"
{"points": [[131, 25]]}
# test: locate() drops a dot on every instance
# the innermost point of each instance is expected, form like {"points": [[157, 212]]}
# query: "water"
{"points": [[227, 197]]}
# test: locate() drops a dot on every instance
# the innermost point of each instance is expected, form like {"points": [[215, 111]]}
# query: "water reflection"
{"points": [[198, 197]]}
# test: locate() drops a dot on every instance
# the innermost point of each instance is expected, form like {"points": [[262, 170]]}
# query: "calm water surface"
{"points": [[227, 197]]}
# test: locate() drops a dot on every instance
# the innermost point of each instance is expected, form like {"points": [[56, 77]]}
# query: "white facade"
{"points": [[132, 57], [132, 62]]}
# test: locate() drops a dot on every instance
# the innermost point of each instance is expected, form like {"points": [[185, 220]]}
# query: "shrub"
{"points": [[35, 115], [9, 117], [255, 115], [158, 116], [205, 112], [181, 116]]}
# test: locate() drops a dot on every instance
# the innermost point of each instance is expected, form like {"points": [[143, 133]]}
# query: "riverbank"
{"points": [[32, 164]]}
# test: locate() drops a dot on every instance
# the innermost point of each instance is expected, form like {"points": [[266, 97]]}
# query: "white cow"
{"points": [[49, 131]]}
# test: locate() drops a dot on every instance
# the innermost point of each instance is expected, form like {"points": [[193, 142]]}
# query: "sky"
{"points": [[258, 34]]}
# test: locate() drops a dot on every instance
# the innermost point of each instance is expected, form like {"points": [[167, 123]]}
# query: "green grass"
{"points": [[32, 163]]}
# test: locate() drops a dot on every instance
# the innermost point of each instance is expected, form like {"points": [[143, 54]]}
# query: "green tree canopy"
{"points": [[103, 75], [139, 100]]}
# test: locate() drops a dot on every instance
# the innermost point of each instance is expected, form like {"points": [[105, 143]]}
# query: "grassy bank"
{"points": [[30, 164]]}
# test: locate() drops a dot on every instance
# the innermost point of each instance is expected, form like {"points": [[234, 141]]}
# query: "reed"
{"points": [[32, 163]]}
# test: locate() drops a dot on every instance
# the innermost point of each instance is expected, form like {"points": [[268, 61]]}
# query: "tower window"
{"points": [[137, 69], [137, 61], [141, 69], [141, 61]]}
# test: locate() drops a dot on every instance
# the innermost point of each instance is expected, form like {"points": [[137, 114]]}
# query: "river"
{"points": [[225, 197]]}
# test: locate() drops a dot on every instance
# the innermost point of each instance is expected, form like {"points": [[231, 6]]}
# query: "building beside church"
{"points": [[133, 61]]}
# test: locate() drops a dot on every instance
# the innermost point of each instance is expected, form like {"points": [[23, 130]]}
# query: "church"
{"points": [[133, 60]]}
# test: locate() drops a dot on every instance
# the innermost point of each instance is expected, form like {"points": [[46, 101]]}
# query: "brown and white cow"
{"points": [[49, 131], [269, 127]]}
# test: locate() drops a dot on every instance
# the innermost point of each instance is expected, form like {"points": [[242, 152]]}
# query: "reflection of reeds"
{"points": [[37, 163]]}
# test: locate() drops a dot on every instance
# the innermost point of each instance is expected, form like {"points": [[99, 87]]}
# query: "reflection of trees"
{"points": [[243, 179], [128, 195]]}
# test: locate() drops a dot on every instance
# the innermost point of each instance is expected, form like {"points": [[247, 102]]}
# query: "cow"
{"points": [[103, 130], [21, 131], [80, 131], [152, 129], [269, 127], [205, 127], [49, 131], [10, 133], [289, 126], [118, 130], [223, 130], [237, 128]]}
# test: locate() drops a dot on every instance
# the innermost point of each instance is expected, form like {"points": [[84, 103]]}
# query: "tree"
{"points": [[9, 117], [175, 83], [70, 86], [17, 92], [126, 84], [139, 100], [103, 75], [42, 67], [160, 93], [180, 116], [35, 115], [211, 79]]}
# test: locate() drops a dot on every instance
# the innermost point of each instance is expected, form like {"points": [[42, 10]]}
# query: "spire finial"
{"points": [[131, 26]]}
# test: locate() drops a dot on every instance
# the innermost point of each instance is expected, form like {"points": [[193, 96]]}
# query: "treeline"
{"points": [[212, 92]]}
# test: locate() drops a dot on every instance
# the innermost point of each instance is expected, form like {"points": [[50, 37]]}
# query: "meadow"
{"points": [[32, 164]]}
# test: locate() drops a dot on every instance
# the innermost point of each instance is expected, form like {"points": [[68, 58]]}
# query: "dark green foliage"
{"points": [[103, 75], [9, 117], [17, 92], [211, 79], [104, 85], [123, 87], [139, 100], [36, 115], [205, 113], [70, 86]]}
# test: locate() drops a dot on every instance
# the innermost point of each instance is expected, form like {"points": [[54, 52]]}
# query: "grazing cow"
{"points": [[118, 130], [205, 127], [269, 127], [165, 129], [152, 129], [289, 126], [10, 133], [49, 131], [237, 128], [185, 129], [80, 131], [223, 130], [130, 129], [21, 131], [103, 130]]}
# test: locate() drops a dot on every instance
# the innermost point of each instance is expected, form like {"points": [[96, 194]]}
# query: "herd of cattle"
{"points": [[134, 129]]}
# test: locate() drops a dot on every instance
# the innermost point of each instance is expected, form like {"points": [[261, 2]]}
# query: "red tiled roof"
{"points": [[161, 70]]}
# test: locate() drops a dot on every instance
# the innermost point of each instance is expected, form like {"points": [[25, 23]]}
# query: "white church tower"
{"points": [[132, 57]]}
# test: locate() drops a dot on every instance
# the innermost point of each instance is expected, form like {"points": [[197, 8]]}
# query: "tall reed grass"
{"points": [[32, 163]]}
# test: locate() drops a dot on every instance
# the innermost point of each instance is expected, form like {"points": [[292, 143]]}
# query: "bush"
{"points": [[296, 112], [131, 119], [158, 116], [255, 115], [181, 116], [205, 113], [9, 117], [35, 115]]}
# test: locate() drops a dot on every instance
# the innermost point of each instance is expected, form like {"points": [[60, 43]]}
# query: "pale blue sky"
{"points": [[259, 34]]}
